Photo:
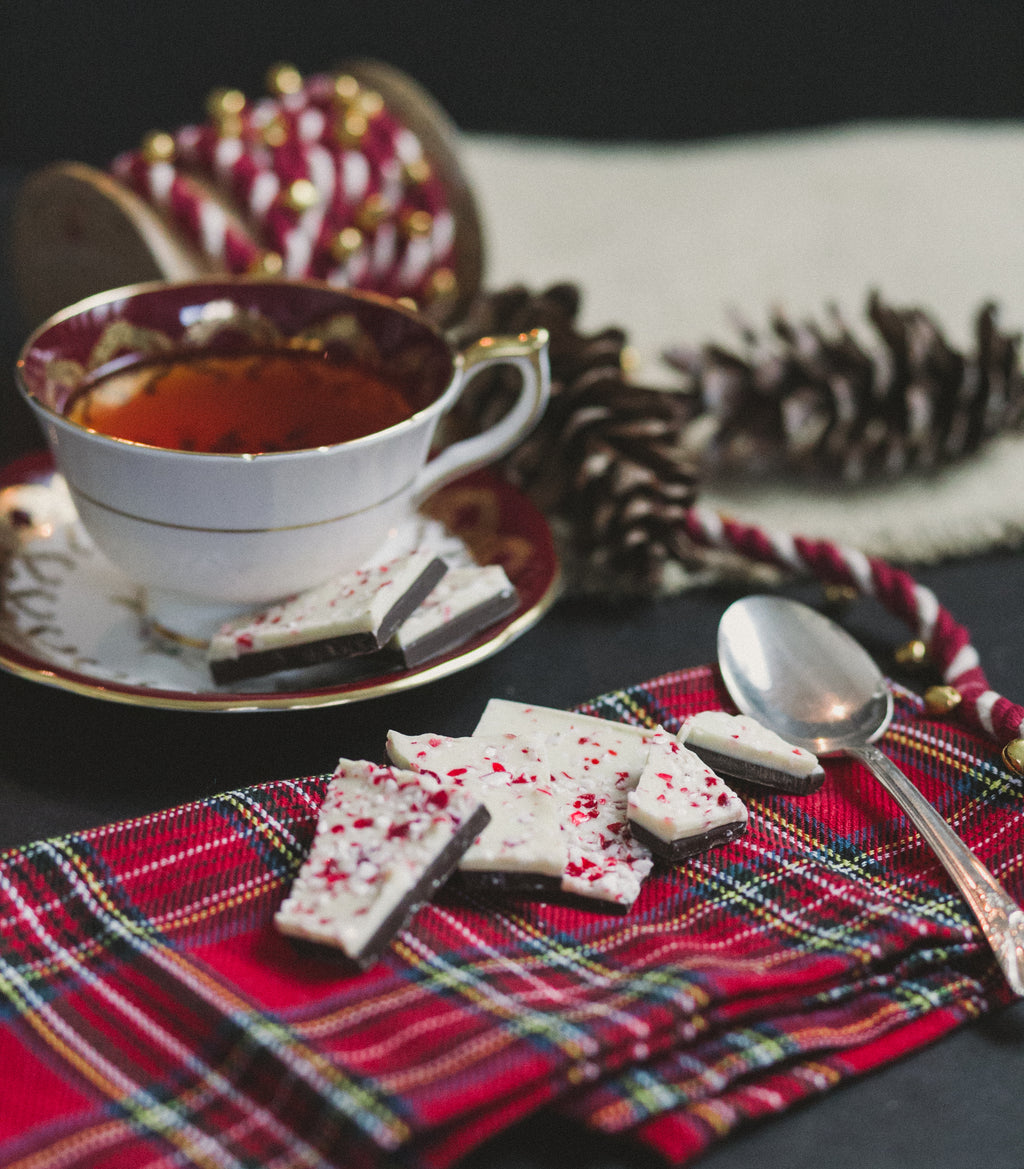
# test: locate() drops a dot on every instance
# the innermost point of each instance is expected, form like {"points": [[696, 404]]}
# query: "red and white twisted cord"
{"points": [[948, 643]]}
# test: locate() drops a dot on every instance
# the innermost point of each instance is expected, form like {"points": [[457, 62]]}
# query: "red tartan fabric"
{"points": [[148, 1008]]}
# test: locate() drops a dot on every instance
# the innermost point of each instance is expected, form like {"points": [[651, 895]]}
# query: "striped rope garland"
{"points": [[947, 642]]}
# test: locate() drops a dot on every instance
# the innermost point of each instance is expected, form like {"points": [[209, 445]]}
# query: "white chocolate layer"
{"points": [[595, 764], [679, 796], [741, 737], [511, 777], [379, 830]]}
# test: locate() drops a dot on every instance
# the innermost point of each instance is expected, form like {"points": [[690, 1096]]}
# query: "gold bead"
{"points": [[224, 104], [158, 147], [629, 360], [301, 195], [345, 243], [275, 132], [230, 127], [417, 224], [442, 284], [839, 596], [373, 212], [942, 699], [350, 129], [1013, 756], [370, 103], [283, 79], [266, 264], [346, 88], [912, 653], [416, 172]]}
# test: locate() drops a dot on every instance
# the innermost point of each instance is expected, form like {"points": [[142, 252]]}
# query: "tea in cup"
{"points": [[230, 442]]}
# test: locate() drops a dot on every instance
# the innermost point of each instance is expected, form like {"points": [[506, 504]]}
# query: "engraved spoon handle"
{"points": [[1000, 917]]}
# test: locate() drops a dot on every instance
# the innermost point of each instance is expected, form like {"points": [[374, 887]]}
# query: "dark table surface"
{"points": [[69, 762]]}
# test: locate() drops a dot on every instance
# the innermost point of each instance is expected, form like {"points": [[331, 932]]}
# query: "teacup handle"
{"points": [[529, 353]]}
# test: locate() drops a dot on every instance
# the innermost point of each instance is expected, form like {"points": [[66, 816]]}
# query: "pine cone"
{"points": [[605, 461], [818, 404]]}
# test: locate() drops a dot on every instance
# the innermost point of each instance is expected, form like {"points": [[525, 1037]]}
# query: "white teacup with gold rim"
{"points": [[229, 442]]}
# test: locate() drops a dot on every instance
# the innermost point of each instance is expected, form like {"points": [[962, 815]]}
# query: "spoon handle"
{"points": [[1000, 917]]}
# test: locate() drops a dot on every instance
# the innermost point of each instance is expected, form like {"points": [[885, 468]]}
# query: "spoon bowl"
{"points": [[793, 669], [804, 677]]}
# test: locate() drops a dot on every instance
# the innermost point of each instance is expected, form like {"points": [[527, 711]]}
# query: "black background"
{"points": [[85, 79]]}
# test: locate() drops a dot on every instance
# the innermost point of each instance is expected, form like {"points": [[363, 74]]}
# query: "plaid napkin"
{"points": [[148, 1008]]}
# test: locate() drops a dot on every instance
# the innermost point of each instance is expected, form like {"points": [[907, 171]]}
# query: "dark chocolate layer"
{"points": [[759, 773], [535, 886], [686, 846]]}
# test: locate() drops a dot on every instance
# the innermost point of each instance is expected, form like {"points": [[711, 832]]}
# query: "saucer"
{"points": [[70, 619]]}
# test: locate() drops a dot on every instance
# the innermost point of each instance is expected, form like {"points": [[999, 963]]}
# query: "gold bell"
{"points": [[225, 106], [301, 195], [225, 103], [346, 89], [373, 212], [912, 653], [417, 171], [158, 146], [274, 133], [442, 284], [266, 264], [347, 242], [350, 129], [942, 699], [839, 596], [370, 103], [630, 360], [283, 79], [1013, 756], [417, 224]]}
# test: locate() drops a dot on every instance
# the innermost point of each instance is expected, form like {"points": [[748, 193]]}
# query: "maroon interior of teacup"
{"points": [[225, 316]]}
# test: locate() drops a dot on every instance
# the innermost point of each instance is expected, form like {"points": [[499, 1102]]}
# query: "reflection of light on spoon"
{"points": [[746, 638]]}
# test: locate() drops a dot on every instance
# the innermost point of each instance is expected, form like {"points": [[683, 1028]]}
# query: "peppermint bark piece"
{"points": [[349, 615], [386, 839], [467, 600], [595, 764], [739, 747], [523, 849], [680, 807]]}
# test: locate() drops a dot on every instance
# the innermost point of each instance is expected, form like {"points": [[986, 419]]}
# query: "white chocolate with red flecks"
{"points": [[355, 603], [595, 764], [678, 796], [741, 737], [379, 832], [511, 776]]}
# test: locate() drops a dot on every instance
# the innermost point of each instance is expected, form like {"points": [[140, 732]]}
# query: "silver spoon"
{"points": [[805, 678]]}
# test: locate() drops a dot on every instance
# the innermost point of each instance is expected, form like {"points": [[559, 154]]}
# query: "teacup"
{"points": [[208, 531]]}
